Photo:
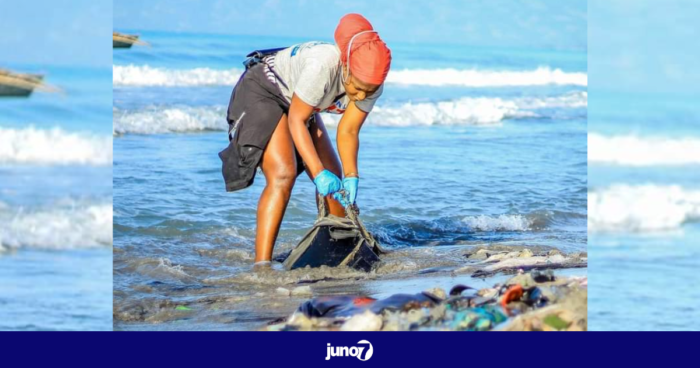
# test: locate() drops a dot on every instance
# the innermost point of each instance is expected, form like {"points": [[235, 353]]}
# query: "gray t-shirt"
{"points": [[312, 71]]}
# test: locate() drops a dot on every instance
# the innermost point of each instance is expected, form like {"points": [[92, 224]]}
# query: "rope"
{"points": [[353, 213]]}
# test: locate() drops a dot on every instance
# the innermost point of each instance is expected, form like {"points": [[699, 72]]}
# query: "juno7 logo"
{"points": [[362, 352]]}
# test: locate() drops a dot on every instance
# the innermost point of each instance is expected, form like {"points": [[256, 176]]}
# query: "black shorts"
{"points": [[255, 109]]}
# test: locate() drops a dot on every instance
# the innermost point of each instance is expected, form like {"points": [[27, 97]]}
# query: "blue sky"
{"points": [[44, 32], [501, 23]]}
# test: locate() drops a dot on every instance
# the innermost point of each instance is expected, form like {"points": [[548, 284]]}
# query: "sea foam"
{"points": [[53, 147], [643, 208], [629, 150], [66, 225], [144, 75], [463, 111]]}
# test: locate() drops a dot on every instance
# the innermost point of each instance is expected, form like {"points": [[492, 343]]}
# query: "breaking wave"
{"points": [[637, 151], [644, 208], [464, 111], [468, 110], [155, 120], [486, 78], [141, 76], [498, 223], [453, 230], [53, 147], [66, 225]]}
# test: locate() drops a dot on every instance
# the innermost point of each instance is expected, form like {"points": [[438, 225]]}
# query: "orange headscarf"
{"points": [[370, 58]]}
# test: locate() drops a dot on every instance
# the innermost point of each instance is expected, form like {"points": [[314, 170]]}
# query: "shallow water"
{"points": [[445, 167], [56, 204]]}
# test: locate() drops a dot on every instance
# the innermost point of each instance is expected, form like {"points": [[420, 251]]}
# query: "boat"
{"points": [[125, 41], [21, 85]]}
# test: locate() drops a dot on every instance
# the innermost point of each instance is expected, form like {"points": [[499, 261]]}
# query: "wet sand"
{"points": [[191, 298]]}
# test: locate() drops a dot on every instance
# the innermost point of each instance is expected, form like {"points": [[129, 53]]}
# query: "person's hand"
{"points": [[350, 187], [327, 183]]}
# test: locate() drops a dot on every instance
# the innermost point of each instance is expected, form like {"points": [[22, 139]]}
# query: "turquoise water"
{"points": [[56, 290], [56, 204], [644, 178], [644, 212], [467, 146]]}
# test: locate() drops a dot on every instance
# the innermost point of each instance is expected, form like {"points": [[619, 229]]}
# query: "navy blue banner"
{"points": [[417, 349]]}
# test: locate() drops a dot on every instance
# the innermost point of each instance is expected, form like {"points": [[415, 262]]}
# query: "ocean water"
{"points": [[56, 204], [644, 211], [467, 146], [644, 173]]}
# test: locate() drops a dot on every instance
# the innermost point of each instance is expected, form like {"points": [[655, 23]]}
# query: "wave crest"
{"points": [[144, 75], [498, 223], [486, 78], [155, 120], [67, 225], [464, 111], [642, 208], [53, 147], [638, 151], [141, 76]]}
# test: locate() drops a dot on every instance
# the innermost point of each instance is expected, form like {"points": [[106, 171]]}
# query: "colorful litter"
{"points": [[535, 301]]}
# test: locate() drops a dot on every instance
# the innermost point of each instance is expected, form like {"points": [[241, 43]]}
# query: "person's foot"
{"points": [[262, 266]]}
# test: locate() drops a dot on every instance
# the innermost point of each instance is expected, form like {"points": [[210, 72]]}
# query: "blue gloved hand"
{"points": [[350, 187], [327, 183]]}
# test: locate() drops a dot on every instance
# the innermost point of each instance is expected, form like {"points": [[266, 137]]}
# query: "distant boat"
{"points": [[22, 85], [124, 41]]}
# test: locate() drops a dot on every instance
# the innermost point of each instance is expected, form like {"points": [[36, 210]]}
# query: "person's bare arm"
{"points": [[348, 137], [299, 113]]}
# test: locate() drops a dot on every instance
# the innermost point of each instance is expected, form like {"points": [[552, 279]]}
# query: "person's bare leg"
{"points": [[329, 159], [279, 167]]}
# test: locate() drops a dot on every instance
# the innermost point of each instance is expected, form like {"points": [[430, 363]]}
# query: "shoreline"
{"points": [[259, 298]]}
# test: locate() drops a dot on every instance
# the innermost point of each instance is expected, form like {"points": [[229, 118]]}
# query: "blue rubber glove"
{"points": [[350, 187], [327, 183]]}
